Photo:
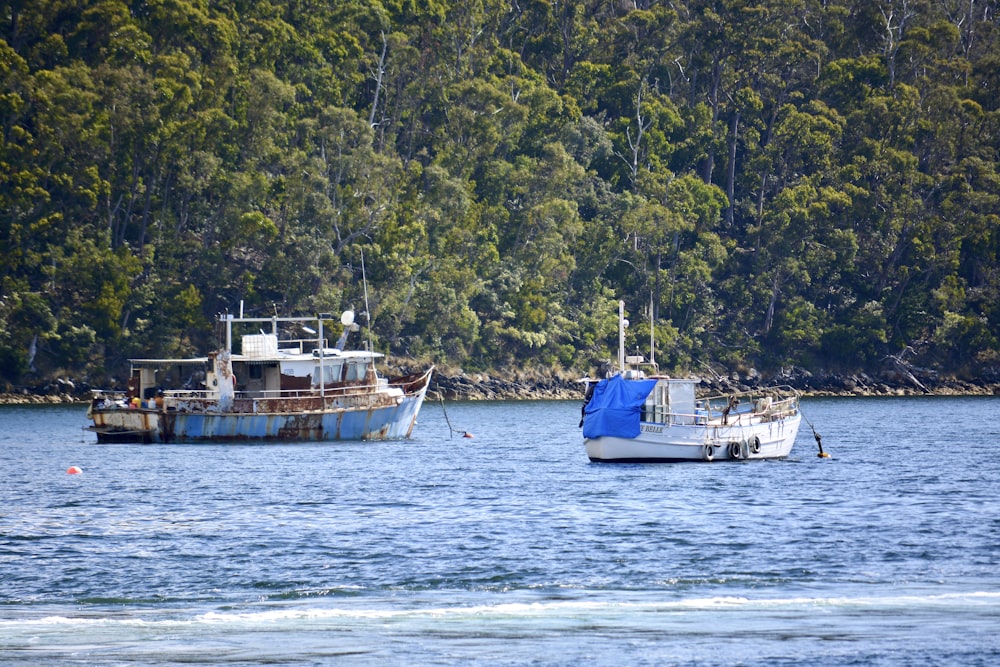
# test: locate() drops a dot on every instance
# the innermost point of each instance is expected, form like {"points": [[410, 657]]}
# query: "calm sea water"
{"points": [[506, 548]]}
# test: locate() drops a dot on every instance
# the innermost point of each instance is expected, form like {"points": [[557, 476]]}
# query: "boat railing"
{"points": [[782, 408], [771, 404], [412, 382], [108, 399], [275, 401], [107, 394], [265, 399], [311, 392], [276, 394], [301, 345]]}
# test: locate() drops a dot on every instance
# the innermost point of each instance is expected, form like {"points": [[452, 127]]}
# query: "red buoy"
{"points": [[74, 470]]}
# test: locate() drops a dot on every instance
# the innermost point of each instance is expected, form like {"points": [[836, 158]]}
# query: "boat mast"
{"points": [[652, 340], [622, 323], [368, 312], [322, 363]]}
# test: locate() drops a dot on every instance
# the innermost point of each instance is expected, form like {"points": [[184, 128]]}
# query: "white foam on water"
{"points": [[403, 609]]}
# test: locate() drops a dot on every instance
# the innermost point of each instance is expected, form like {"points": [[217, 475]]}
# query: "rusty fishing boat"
{"points": [[291, 388]]}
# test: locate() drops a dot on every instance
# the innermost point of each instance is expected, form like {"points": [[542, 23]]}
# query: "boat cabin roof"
{"points": [[265, 348], [280, 356], [190, 361]]}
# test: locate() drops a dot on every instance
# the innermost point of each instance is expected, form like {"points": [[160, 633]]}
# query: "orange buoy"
{"points": [[74, 470], [466, 435]]}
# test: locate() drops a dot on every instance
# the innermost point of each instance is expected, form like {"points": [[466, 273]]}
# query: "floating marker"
{"points": [[73, 470], [466, 435]]}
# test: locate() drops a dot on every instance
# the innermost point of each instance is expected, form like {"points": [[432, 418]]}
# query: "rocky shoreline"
{"points": [[481, 386], [456, 385]]}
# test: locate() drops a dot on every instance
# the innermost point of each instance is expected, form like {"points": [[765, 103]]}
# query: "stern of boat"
{"points": [[116, 419]]}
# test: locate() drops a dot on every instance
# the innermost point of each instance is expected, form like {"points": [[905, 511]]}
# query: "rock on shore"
{"points": [[485, 387]]}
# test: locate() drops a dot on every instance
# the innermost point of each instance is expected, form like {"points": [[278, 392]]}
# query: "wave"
{"points": [[987, 602]]}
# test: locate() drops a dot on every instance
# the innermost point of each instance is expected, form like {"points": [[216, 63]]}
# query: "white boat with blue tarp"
{"points": [[648, 419], [277, 387], [633, 416]]}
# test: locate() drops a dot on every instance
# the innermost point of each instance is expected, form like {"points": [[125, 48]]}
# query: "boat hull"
{"points": [[365, 417], [676, 442]]}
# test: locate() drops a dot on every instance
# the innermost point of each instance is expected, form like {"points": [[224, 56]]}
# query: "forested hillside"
{"points": [[795, 182]]}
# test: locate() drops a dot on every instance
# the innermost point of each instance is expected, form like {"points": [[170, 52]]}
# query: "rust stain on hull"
{"points": [[302, 427]]}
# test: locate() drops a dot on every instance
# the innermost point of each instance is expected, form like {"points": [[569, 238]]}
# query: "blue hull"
{"points": [[377, 416], [388, 423]]}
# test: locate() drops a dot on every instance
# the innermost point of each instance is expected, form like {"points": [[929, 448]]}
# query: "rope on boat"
{"points": [[819, 438], [464, 434]]}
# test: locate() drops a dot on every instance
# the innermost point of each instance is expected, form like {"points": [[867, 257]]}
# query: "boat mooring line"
{"points": [[819, 438], [465, 434]]}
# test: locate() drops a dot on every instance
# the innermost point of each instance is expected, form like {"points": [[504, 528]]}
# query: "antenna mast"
{"points": [[621, 336], [368, 312], [652, 323]]}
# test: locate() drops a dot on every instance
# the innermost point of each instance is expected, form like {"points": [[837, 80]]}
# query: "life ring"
{"points": [[755, 445], [734, 450], [709, 452]]}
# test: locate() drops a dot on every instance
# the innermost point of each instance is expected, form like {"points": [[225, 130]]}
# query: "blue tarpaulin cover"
{"points": [[616, 407]]}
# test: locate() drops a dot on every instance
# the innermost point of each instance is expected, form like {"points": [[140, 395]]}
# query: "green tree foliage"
{"points": [[785, 182]]}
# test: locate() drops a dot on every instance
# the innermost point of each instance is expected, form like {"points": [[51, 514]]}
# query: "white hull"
{"points": [[679, 442]]}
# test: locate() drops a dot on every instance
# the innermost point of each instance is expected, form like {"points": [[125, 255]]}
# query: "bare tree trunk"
{"points": [[713, 98], [734, 128], [379, 74], [772, 304]]}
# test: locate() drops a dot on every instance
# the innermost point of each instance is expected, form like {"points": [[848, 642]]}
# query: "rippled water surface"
{"points": [[506, 548]]}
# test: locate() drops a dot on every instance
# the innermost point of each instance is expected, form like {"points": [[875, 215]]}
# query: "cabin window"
{"points": [[356, 371], [255, 371], [331, 372]]}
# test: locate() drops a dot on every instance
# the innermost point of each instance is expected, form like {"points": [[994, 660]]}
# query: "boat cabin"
{"points": [[261, 370], [265, 371], [672, 401]]}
